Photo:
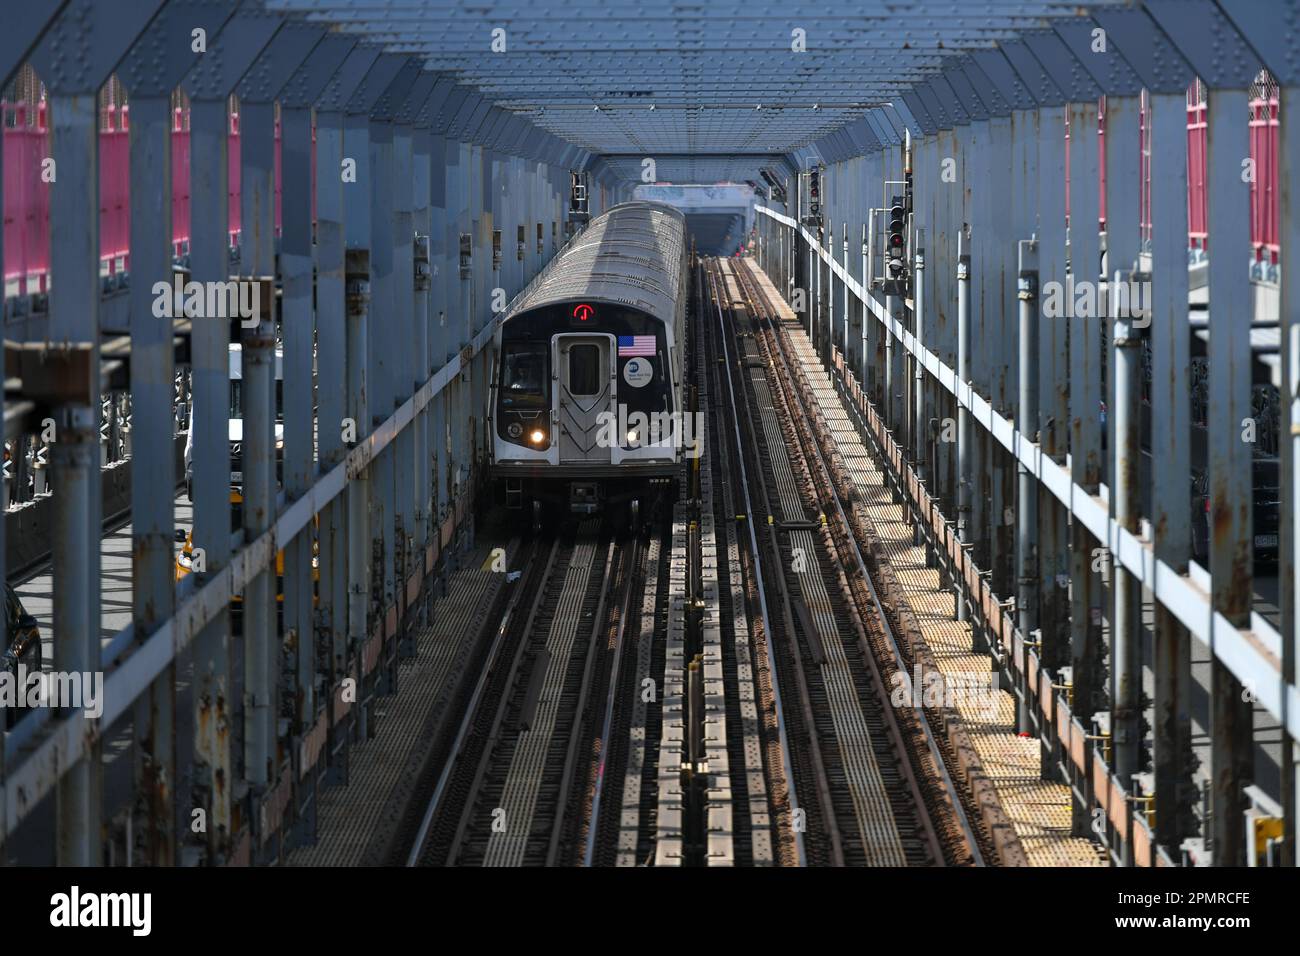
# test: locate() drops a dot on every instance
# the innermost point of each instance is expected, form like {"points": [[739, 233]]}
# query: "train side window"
{"points": [[523, 378], [584, 370]]}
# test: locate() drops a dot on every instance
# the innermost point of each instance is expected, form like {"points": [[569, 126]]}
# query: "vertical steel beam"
{"points": [[210, 464], [945, 302], [1027, 609], [1123, 216], [845, 309], [978, 199], [1170, 462], [331, 366], [1025, 180], [356, 223], [442, 256], [153, 479], [1085, 423], [299, 337], [874, 356], [257, 259], [963, 414], [892, 385], [457, 193], [74, 455], [404, 346], [1000, 295], [1126, 635], [423, 354], [920, 424], [1231, 314], [806, 277], [378, 349], [1053, 384], [869, 323], [470, 176]]}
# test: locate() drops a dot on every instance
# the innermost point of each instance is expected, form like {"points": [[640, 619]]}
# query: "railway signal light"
{"points": [[812, 217], [896, 239], [895, 253], [897, 225]]}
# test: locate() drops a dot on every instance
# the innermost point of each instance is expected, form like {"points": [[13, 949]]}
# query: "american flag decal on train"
{"points": [[634, 345]]}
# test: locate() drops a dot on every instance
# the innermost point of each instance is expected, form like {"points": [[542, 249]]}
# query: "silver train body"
{"points": [[587, 388]]}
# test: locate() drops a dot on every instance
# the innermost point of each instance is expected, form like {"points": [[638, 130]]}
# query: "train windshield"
{"points": [[523, 375]]}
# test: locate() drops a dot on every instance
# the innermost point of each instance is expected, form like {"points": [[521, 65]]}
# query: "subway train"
{"points": [[587, 411]]}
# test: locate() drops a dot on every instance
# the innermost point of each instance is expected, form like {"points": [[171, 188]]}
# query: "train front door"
{"points": [[583, 364]]}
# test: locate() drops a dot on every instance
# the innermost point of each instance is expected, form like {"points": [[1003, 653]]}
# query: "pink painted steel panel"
{"points": [[26, 209]]}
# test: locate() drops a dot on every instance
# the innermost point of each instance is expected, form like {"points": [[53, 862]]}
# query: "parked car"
{"points": [[1266, 514]]}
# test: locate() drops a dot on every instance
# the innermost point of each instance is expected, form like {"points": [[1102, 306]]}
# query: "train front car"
{"points": [[587, 394]]}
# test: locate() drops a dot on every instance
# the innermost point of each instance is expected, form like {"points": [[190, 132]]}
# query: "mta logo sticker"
{"points": [[638, 372]]}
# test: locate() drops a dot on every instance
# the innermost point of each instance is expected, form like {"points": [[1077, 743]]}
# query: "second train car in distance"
{"points": [[587, 392]]}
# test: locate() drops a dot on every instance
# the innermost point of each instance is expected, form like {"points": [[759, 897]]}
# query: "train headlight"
{"points": [[631, 436], [537, 436], [514, 429]]}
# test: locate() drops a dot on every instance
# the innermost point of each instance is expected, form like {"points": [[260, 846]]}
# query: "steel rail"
{"points": [[422, 835], [783, 741], [954, 796], [599, 625], [636, 556]]}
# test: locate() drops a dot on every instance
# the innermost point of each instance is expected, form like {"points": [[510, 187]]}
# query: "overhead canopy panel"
{"points": [[727, 80]]}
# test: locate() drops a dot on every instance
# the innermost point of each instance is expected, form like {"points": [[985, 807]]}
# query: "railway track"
{"points": [[873, 776], [755, 742], [534, 777]]}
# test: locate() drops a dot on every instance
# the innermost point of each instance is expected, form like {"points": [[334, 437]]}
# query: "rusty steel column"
{"points": [[1085, 426], [964, 477], [1228, 209], [1174, 762], [1123, 475], [1054, 386], [919, 409], [153, 478], [1126, 633], [1000, 297], [214, 689], [1027, 490], [75, 455], [869, 323], [261, 648], [74, 463]]}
